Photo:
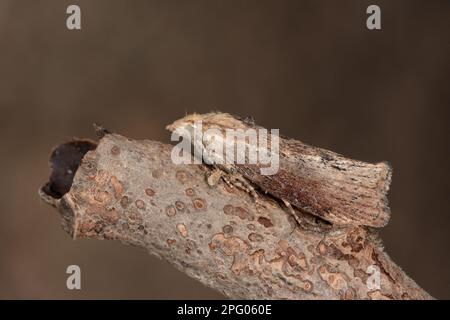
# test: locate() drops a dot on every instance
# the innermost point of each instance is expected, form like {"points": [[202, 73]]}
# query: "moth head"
{"points": [[213, 120]]}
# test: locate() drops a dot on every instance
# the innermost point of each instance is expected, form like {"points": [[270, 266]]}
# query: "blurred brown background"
{"points": [[310, 68]]}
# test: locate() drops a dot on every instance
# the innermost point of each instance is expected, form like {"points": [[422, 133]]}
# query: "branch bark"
{"points": [[131, 191]]}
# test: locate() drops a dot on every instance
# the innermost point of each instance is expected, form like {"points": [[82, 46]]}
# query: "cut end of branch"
{"points": [[64, 161]]}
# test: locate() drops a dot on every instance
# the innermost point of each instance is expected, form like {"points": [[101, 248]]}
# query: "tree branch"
{"points": [[131, 191]]}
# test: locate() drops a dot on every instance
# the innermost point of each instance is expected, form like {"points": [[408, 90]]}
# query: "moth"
{"points": [[323, 183]]}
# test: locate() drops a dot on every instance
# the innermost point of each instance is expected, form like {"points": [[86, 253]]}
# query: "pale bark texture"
{"points": [[131, 191]]}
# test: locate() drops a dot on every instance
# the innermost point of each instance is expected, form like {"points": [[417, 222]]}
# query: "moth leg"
{"points": [[233, 180], [226, 177], [288, 205], [213, 177], [291, 211], [242, 183]]}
